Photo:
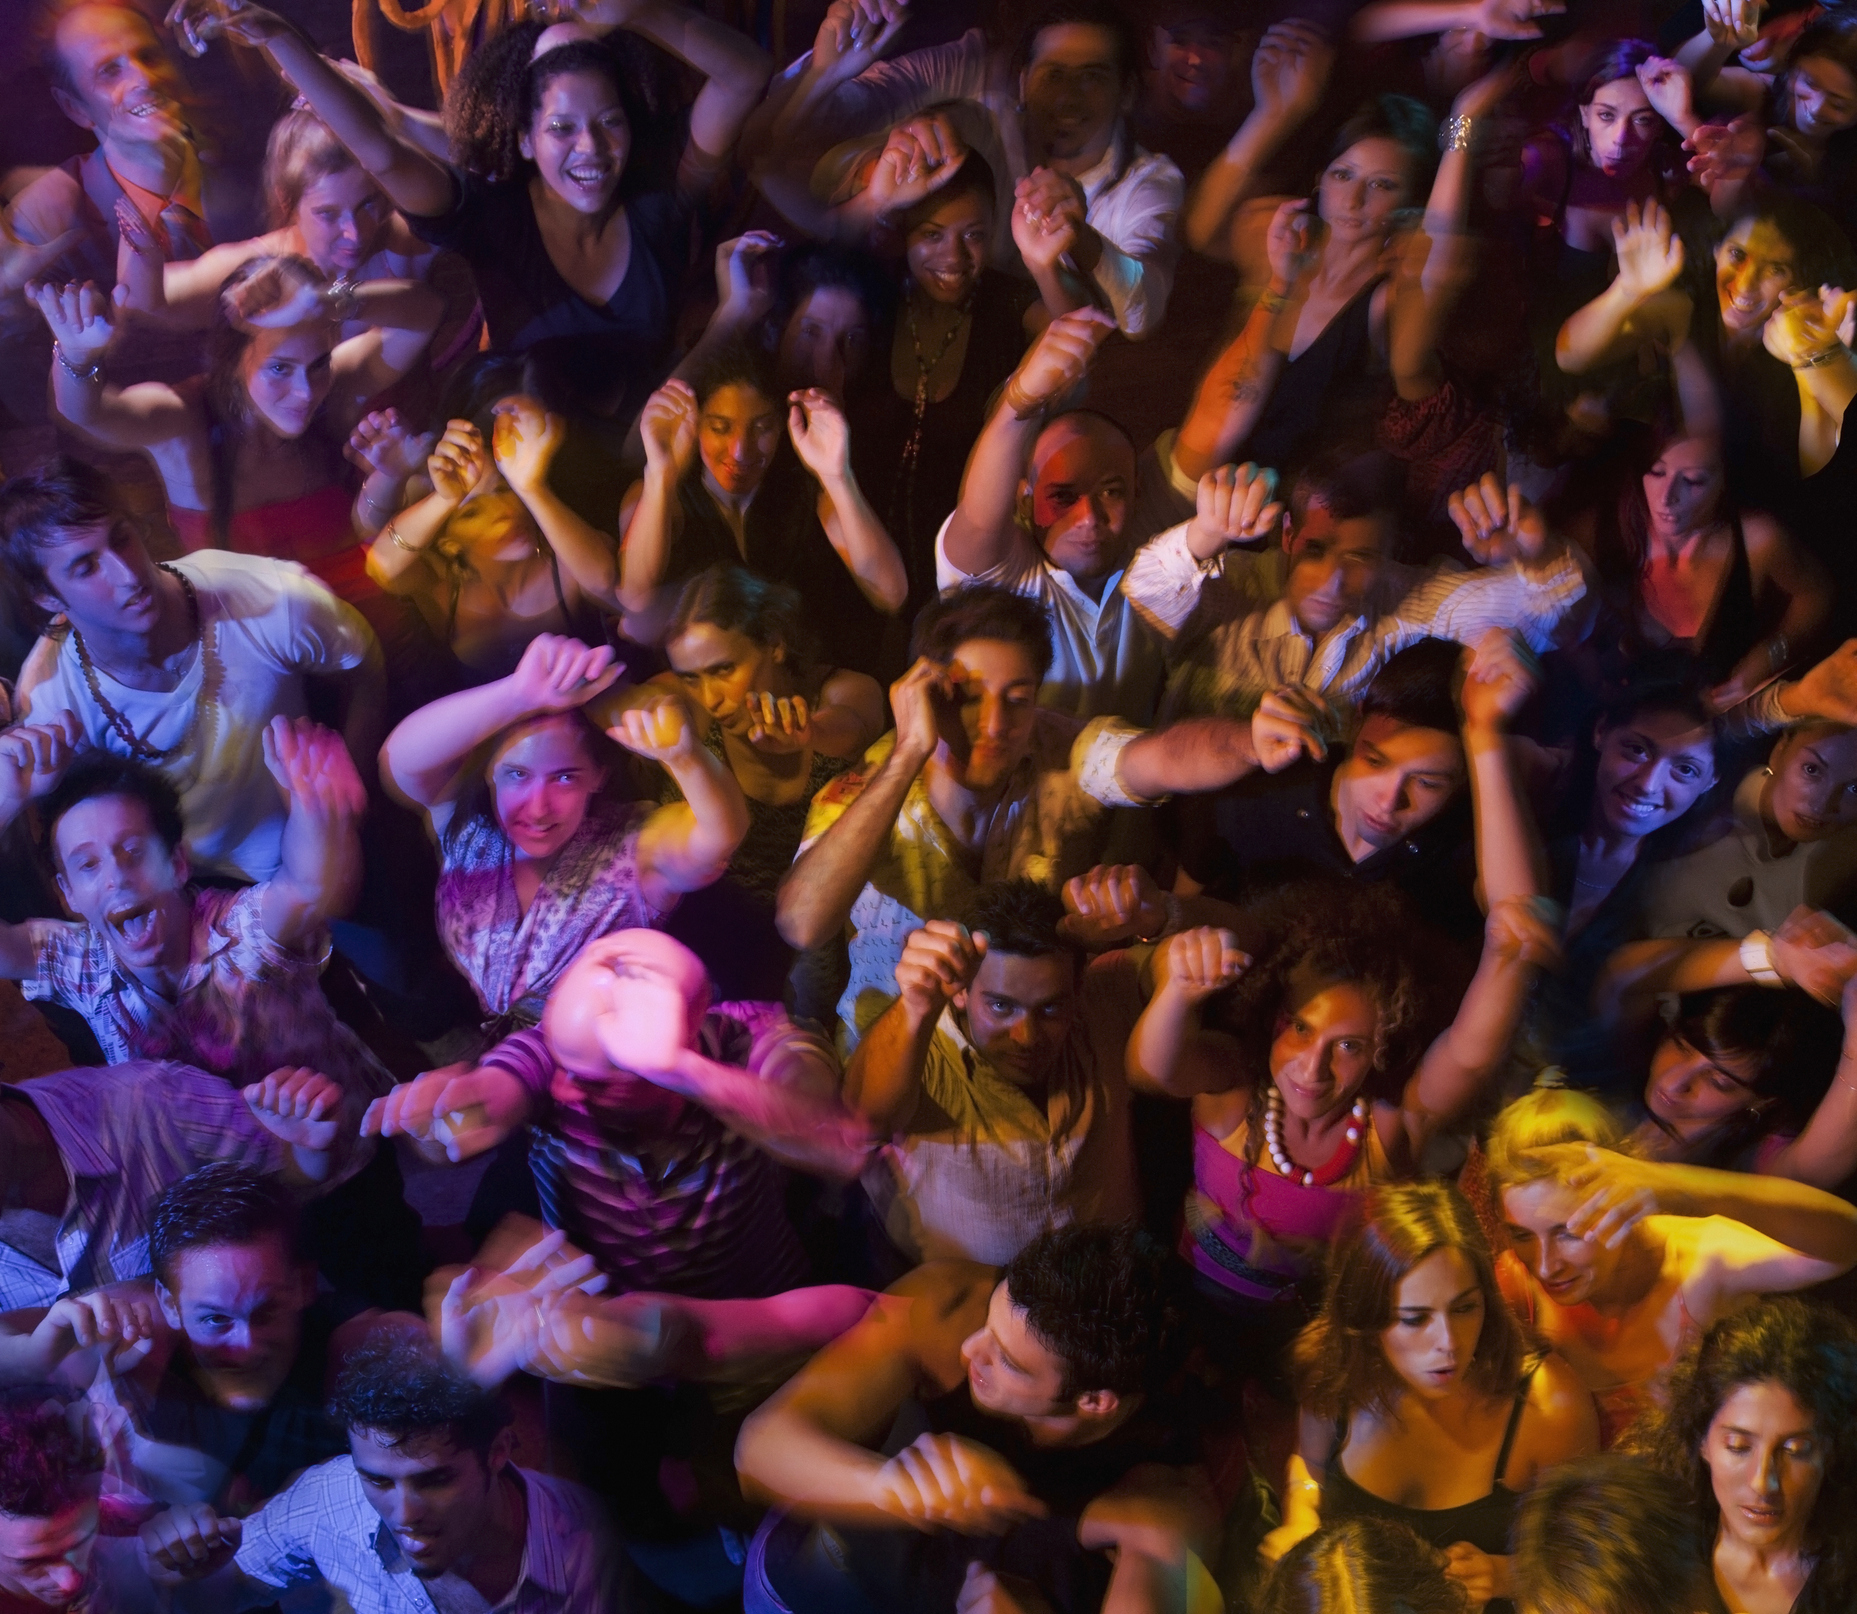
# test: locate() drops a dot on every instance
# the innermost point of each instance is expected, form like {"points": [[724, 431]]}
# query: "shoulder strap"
{"points": [[1515, 1419]]}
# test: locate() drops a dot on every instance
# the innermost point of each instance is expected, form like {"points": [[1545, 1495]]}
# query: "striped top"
{"points": [[657, 1189]]}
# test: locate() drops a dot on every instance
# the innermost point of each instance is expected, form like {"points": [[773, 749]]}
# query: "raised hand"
{"points": [[668, 426], [1828, 690], [1619, 1190], [938, 965], [1238, 504], [1498, 524], [658, 730], [312, 767], [745, 277], [1289, 71], [854, 36], [79, 317], [1291, 722], [985, 1592], [1734, 23], [22, 262], [466, 1111], [458, 464], [1650, 252], [33, 758], [525, 438], [942, 1482], [917, 159], [1804, 328], [282, 294], [1292, 240], [1667, 87], [821, 436], [384, 444], [913, 701], [1726, 152], [1501, 677], [1199, 962], [189, 1541], [1813, 951], [1048, 195], [1525, 930], [1061, 356], [297, 1106], [1112, 903], [1514, 19], [117, 1318], [558, 674], [1042, 239], [779, 724]]}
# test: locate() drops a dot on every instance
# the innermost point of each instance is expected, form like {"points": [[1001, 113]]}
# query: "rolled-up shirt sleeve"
{"points": [[1096, 760], [1138, 222], [1465, 605]]}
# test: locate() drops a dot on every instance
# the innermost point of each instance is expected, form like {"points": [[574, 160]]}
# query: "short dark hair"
{"points": [[1107, 1300], [401, 1388], [1607, 1535], [102, 774], [215, 1206], [42, 508], [46, 1467], [1409, 124], [739, 363], [982, 611], [1020, 917], [1416, 688], [820, 265], [1349, 484], [1103, 14], [1365, 1562]]}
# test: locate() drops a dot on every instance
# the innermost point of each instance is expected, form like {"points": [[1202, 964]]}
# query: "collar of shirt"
{"points": [[1062, 1093], [1751, 825], [543, 1565], [104, 190], [1108, 170], [1093, 610]]}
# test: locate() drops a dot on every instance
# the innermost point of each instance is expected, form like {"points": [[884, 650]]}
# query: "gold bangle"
{"points": [[1824, 356], [393, 534], [1272, 303], [1023, 405]]}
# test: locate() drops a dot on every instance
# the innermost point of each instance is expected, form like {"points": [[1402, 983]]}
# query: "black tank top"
{"points": [[1331, 385], [1484, 1523]]}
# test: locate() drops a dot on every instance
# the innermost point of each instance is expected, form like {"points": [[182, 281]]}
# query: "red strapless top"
{"points": [[313, 529]]}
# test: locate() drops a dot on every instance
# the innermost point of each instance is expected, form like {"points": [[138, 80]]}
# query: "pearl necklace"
{"points": [[1335, 1168]]}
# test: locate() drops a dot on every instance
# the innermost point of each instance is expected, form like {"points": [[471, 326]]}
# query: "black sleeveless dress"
{"points": [[1330, 387], [1484, 1523]]}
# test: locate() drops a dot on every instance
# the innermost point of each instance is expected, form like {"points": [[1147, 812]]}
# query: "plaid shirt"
{"points": [[125, 1132], [322, 1528]]}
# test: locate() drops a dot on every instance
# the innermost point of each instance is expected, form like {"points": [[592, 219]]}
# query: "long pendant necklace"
{"points": [[139, 748], [925, 368]]}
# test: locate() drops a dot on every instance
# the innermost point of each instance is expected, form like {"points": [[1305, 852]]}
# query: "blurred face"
{"points": [[1010, 1371], [122, 75], [115, 873], [1766, 1465], [1324, 1049], [1620, 127], [1753, 267], [1333, 566], [1020, 1011], [434, 1498], [1813, 791], [341, 217], [579, 140], [47, 1561], [1363, 188], [635, 978], [1824, 98], [1072, 90], [827, 340], [1083, 477], [1194, 62], [1683, 490], [1395, 780], [987, 728], [287, 375], [103, 579], [541, 782], [1437, 1320], [241, 1307], [1690, 1094], [948, 249], [737, 434], [1569, 1270], [721, 667], [493, 524], [1652, 769]]}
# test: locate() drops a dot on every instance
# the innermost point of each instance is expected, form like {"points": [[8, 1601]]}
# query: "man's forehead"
{"points": [[1411, 746], [420, 1452], [1345, 532], [22, 1537], [1082, 449], [93, 32]]}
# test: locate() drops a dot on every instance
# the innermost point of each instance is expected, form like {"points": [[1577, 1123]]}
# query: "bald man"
{"points": [[657, 1117]]}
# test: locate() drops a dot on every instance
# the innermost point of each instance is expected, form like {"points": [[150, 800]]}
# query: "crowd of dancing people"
{"points": [[930, 806]]}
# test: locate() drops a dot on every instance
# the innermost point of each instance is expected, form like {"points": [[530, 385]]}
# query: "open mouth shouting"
{"points": [[137, 926]]}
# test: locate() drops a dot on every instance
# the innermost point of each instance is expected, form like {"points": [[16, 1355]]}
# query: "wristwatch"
{"points": [[1757, 958]]}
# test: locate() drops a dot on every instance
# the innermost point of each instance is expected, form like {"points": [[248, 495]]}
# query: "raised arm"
{"points": [[983, 532], [686, 845], [853, 37], [1288, 74], [1497, 684], [1411, 19], [1208, 753], [320, 857], [1167, 1051], [884, 1078], [417, 183], [650, 529], [525, 439], [424, 759], [144, 415], [816, 896], [113, 1320], [822, 439], [1643, 302], [33, 758]]}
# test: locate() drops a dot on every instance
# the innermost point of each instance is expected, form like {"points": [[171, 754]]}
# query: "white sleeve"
{"points": [[1465, 605], [1165, 580], [1096, 760], [901, 87], [1138, 222], [1018, 571]]}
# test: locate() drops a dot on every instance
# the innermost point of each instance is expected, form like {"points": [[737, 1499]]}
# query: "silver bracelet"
{"points": [[94, 375], [1454, 133]]}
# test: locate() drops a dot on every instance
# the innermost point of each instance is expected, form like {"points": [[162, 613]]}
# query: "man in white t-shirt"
{"points": [[180, 666]]}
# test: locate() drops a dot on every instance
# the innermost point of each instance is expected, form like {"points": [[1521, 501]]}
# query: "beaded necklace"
{"points": [[1338, 1164], [925, 368], [139, 748]]}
